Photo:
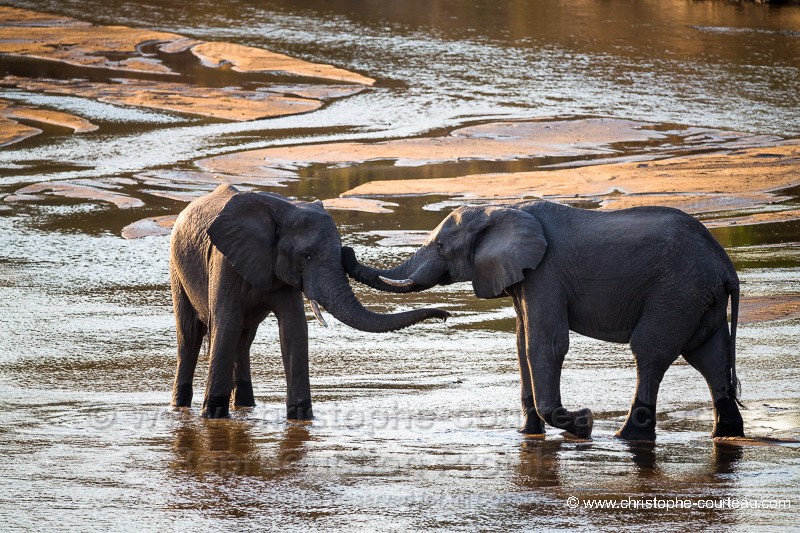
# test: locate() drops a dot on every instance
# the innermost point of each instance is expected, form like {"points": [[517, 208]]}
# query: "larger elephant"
{"points": [[237, 256], [653, 277]]}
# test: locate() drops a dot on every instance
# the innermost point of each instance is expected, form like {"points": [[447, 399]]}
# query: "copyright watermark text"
{"points": [[573, 502]]}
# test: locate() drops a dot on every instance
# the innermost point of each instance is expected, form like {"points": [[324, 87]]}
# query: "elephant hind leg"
{"points": [[191, 332], [243, 386], [652, 361], [711, 360]]}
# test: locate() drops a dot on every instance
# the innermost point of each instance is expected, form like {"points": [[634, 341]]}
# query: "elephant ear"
{"points": [[511, 241], [245, 233]]}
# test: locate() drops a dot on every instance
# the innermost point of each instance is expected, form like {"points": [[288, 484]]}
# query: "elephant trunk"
{"points": [[402, 278], [340, 301]]}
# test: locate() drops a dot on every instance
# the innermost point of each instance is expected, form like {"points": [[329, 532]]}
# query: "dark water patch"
{"points": [[34, 167], [774, 256], [503, 324], [92, 217], [758, 234]]}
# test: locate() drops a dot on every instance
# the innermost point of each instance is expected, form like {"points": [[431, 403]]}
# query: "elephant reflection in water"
{"points": [[230, 448], [653, 277]]}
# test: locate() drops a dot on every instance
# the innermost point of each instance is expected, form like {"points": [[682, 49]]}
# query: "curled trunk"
{"points": [[338, 298], [372, 276]]}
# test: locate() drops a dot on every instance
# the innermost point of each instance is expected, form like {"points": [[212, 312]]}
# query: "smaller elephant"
{"points": [[653, 277], [237, 256]]}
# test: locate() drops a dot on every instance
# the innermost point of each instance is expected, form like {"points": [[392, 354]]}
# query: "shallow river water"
{"points": [[414, 429]]}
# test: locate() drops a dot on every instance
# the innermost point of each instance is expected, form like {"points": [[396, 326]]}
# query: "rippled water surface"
{"points": [[413, 429]]}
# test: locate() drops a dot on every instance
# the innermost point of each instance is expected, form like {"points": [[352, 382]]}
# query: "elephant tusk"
{"points": [[397, 282], [317, 312]]}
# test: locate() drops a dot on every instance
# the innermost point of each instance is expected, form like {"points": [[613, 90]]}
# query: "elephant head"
{"points": [[488, 245], [271, 240]]}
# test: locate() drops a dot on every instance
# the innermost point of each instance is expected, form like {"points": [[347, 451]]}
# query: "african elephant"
{"points": [[237, 256], [653, 277]]}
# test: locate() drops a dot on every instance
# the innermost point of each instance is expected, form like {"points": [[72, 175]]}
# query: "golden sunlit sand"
{"points": [[81, 189], [45, 116], [12, 131], [37, 35], [366, 205], [499, 141], [746, 178], [54, 38], [30, 35], [149, 226], [767, 308], [249, 59], [221, 103]]}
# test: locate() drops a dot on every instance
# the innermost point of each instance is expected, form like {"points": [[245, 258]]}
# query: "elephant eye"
{"points": [[305, 255], [440, 246]]}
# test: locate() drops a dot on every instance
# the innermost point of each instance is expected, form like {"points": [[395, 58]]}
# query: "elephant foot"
{"points": [[727, 419], [641, 422], [243, 394], [579, 423], [300, 410], [216, 406], [182, 395], [532, 424]]}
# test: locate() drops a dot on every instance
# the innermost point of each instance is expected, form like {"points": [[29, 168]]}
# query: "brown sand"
{"points": [[249, 59], [713, 182], [83, 189], [12, 131], [46, 116], [28, 33], [227, 104], [767, 308], [54, 38], [491, 142], [366, 205], [149, 226]]}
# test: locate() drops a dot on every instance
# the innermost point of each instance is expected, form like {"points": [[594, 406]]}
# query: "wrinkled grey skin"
{"points": [[653, 277], [237, 256]]}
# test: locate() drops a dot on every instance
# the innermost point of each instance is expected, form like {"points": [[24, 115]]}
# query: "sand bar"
{"points": [[37, 35], [222, 103], [82, 189], [11, 131], [702, 183]]}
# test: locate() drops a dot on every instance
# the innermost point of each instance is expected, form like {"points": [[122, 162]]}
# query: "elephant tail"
{"points": [[736, 386]]}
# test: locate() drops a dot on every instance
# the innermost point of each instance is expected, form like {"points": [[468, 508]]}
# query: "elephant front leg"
{"points": [[542, 311], [532, 424], [548, 404], [545, 358], [293, 331]]}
